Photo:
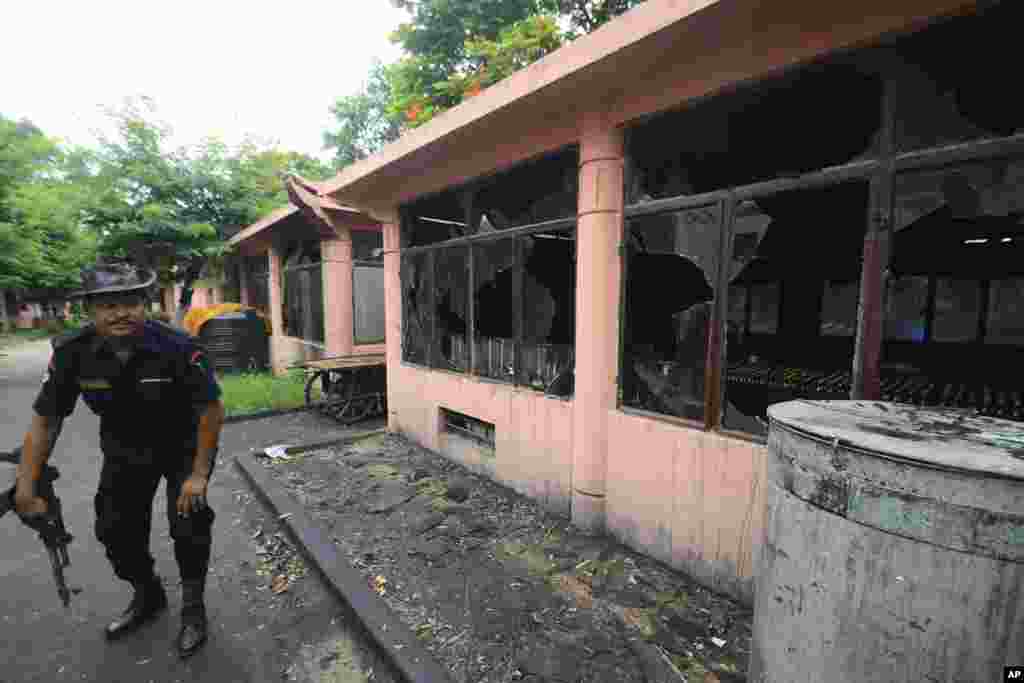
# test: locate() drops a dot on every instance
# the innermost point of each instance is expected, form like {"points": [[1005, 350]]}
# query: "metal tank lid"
{"points": [[935, 437]]}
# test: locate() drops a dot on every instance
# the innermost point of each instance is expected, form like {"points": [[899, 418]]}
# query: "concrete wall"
{"points": [[694, 500], [533, 433]]}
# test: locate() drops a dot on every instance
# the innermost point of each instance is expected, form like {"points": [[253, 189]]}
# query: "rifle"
{"points": [[50, 526]]}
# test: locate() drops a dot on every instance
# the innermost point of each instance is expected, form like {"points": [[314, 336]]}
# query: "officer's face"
{"points": [[118, 315]]}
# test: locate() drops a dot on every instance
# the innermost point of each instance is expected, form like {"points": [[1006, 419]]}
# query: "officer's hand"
{"points": [[193, 495], [29, 505]]}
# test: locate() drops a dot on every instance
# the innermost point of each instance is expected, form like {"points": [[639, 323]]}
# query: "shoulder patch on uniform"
{"points": [[83, 332]]}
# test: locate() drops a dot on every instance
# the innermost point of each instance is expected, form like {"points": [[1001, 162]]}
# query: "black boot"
{"points": [[193, 618], [147, 602]]}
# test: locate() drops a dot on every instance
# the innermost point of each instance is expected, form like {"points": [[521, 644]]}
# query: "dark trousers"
{"points": [[124, 515]]}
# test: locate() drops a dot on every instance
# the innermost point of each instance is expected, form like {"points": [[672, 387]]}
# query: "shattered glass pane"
{"points": [[416, 319], [549, 306], [669, 298], [452, 319], [940, 96], [776, 128], [367, 245], [955, 228], [496, 299], [532, 192], [797, 255]]}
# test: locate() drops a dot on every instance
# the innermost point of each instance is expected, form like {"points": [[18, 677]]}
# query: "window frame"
{"points": [[471, 241], [880, 169], [298, 248]]}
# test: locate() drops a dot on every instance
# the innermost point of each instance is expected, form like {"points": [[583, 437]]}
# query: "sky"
{"points": [[213, 67]]}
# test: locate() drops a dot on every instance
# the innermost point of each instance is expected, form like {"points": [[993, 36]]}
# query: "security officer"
{"points": [[160, 417]]}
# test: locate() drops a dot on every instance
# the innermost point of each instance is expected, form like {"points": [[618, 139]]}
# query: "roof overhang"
{"points": [[331, 216], [659, 55]]}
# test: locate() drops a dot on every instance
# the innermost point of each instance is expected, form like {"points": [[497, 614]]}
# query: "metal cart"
{"points": [[351, 388]]}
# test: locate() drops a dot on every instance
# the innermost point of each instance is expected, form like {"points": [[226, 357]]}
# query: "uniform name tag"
{"points": [[94, 384], [155, 379]]}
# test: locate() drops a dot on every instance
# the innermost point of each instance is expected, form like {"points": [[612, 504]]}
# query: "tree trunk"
{"points": [[191, 275], [5, 323]]}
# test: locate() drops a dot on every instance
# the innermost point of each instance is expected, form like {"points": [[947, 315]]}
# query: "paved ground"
{"points": [[255, 635]]}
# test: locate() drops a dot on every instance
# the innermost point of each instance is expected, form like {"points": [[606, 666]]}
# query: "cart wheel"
{"points": [[311, 401]]}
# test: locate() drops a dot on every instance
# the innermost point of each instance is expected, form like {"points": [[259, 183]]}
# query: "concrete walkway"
{"points": [[41, 641]]}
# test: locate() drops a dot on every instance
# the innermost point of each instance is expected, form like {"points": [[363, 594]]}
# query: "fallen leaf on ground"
{"points": [[710, 677], [580, 591], [279, 584]]}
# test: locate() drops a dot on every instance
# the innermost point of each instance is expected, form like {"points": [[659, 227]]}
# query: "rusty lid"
{"points": [[936, 437]]}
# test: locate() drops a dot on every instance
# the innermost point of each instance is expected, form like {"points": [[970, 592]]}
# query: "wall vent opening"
{"points": [[469, 427]]}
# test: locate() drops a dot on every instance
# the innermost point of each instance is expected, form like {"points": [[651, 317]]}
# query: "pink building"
{"points": [[602, 270], [318, 272]]}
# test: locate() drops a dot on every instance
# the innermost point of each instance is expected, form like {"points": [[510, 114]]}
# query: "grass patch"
{"points": [[251, 392]]}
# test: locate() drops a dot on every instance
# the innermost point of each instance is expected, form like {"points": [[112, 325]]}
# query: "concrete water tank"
{"points": [[894, 547]]}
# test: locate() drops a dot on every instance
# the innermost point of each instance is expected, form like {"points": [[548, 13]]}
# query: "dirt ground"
{"points": [[500, 590], [314, 641]]}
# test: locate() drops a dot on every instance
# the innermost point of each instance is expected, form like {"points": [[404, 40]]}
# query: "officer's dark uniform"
{"points": [[149, 411]]}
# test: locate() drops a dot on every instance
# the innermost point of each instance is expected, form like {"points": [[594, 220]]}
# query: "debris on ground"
{"points": [[497, 588]]}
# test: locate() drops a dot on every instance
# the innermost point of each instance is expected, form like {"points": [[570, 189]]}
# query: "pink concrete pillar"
{"points": [[392, 314], [276, 311], [599, 232], [243, 284], [336, 256]]}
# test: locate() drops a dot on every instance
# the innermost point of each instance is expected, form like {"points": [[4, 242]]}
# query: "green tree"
{"points": [[364, 123], [172, 209], [586, 16], [435, 45]]}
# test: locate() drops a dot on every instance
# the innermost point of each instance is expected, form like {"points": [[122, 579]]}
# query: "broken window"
{"points": [[257, 274], [780, 128], [452, 308], [957, 249], [549, 306], [533, 192], [497, 299], [417, 323], [800, 280], [436, 219], [670, 293], [367, 245], [945, 95], [501, 307], [302, 281]]}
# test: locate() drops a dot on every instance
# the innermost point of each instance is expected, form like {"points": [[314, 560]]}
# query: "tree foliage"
{"points": [[453, 49], [364, 122], [42, 241], [174, 209]]}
